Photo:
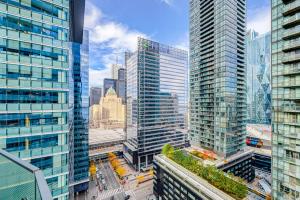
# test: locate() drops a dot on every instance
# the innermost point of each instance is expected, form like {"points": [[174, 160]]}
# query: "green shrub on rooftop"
{"points": [[226, 182]]}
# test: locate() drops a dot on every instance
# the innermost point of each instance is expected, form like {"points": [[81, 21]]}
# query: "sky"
{"points": [[114, 26]]}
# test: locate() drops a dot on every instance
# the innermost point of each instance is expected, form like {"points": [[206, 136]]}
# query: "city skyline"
{"points": [[120, 29], [159, 99]]}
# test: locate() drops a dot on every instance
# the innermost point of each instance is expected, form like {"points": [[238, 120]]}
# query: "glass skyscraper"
{"points": [[258, 77], [156, 96], [34, 86], [79, 153], [218, 75], [285, 99], [35, 89]]}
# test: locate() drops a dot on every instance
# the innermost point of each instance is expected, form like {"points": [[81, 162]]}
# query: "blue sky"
{"points": [[114, 26]]}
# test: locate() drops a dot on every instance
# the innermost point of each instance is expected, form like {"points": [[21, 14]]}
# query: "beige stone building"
{"points": [[109, 113]]}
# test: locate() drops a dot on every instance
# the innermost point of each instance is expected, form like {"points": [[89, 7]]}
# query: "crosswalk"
{"points": [[106, 194], [132, 194]]}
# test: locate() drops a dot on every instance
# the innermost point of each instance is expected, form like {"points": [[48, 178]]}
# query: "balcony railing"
{"points": [[291, 20], [21, 180], [291, 7]]}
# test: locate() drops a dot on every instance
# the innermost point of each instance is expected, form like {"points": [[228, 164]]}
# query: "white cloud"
{"points": [[260, 20], [109, 39], [168, 2], [183, 43]]}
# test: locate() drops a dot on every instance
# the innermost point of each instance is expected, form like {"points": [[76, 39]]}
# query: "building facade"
{"points": [[34, 86], [285, 99], [218, 75], [258, 77], [156, 96], [78, 140], [95, 95], [109, 113]]}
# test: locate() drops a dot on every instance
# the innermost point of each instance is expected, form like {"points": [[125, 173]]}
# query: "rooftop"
{"points": [[102, 136], [198, 184], [211, 158]]}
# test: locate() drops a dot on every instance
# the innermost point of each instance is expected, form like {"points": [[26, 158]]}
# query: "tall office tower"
{"points": [[121, 84], [95, 95], [285, 99], [109, 83], [79, 149], [121, 74], [217, 75], [156, 92], [34, 86], [115, 70], [258, 77]]}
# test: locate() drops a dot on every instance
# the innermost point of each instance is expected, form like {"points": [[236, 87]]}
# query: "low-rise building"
{"points": [[173, 181], [101, 142]]}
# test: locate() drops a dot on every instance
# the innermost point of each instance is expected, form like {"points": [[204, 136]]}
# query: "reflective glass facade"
{"points": [[218, 75], [79, 158], [34, 86], [285, 99], [258, 78], [156, 96]]}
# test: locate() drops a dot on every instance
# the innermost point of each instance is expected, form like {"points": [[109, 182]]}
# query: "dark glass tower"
{"points": [[79, 100], [80, 69]]}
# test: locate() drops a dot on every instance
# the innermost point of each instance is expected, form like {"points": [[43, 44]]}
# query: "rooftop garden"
{"points": [[228, 183]]}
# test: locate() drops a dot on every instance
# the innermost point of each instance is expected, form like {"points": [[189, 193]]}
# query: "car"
{"points": [[127, 197]]}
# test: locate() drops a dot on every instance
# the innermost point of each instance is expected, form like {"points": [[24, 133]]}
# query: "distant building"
{"points": [[115, 71], [109, 113], [156, 96], [121, 74], [121, 90], [95, 95], [109, 83], [121, 86], [258, 77]]}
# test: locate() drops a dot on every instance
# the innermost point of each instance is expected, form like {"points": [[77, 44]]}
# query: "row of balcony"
{"points": [[291, 57], [33, 84], [291, 32], [33, 130], [287, 21], [291, 8]]}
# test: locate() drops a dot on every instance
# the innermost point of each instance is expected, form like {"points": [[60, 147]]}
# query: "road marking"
{"points": [[109, 193]]}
